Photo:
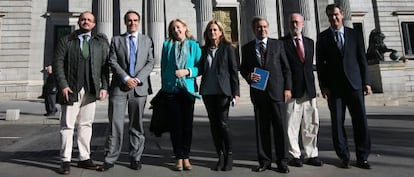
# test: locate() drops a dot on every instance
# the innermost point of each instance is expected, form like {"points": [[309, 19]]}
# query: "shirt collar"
{"points": [[264, 40], [341, 30], [135, 34], [80, 36], [297, 37]]}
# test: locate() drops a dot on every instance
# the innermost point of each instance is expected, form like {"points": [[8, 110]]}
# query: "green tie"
{"points": [[85, 46]]}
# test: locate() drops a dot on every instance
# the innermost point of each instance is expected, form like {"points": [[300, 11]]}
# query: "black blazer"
{"points": [[339, 71], [226, 69], [280, 78], [303, 79]]}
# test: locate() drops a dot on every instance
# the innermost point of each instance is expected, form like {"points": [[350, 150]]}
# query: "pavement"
{"points": [[30, 146], [35, 153]]}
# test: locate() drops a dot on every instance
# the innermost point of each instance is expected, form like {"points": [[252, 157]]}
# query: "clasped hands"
{"points": [[131, 83]]}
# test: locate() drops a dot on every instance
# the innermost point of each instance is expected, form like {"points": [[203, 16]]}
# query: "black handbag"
{"points": [[159, 121]]}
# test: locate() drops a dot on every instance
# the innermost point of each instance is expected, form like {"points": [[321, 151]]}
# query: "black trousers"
{"points": [[354, 100], [181, 111], [270, 115], [217, 107]]}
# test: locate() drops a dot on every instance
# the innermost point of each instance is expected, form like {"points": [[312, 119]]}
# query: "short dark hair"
{"points": [[131, 11], [257, 19], [331, 7]]}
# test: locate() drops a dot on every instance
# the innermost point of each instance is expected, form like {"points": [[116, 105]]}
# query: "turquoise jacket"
{"points": [[168, 67]]}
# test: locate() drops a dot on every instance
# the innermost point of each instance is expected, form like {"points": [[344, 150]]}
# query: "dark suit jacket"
{"points": [[303, 79], [226, 69], [336, 70], [280, 78], [119, 62]]}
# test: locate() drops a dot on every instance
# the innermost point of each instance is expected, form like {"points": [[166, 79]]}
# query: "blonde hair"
{"points": [[171, 30], [223, 37]]}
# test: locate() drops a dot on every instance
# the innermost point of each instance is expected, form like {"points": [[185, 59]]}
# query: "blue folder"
{"points": [[264, 76]]}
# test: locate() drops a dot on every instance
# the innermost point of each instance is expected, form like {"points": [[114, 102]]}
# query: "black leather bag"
{"points": [[159, 121]]}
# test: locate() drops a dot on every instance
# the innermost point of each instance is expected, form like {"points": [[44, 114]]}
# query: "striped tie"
{"points": [[262, 51]]}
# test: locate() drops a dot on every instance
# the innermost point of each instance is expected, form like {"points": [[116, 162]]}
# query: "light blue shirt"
{"points": [[80, 37], [341, 32], [135, 34]]}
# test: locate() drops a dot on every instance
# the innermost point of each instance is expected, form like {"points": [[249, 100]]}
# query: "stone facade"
{"points": [[28, 27]]}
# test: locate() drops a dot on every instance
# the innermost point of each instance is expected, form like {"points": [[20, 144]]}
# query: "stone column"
{"points": [[346, 8], [205, 14], [306, 9], [156, 28], [104, 18], [259, 8]]}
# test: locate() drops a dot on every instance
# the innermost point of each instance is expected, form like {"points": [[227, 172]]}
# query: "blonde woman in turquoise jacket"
{"points": [[179, 69]]}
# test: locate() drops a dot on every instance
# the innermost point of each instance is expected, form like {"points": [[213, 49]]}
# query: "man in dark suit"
{"points": [[131, 59], [302, 111], [343, 79], [269, 104]]}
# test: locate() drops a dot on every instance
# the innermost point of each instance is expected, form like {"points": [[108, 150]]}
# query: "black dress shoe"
{"points": [[220, 162], [228, 162], [262, 167], [64, 168], [105, 167], [363, 164], [135, 165], [296, 162], [283, 169], [50, 114], [87, 164], [314, 161], [345, 164]]}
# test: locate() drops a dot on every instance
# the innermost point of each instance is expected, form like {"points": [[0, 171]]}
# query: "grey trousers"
{"points": [[116, 114]]}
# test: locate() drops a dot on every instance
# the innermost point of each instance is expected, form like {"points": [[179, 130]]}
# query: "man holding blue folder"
{"points": [[264, 60]]}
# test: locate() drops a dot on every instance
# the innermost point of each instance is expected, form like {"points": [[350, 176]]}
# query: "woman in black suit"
{"points": [[219, 87]]}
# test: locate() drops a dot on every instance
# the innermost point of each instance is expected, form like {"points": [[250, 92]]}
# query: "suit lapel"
{"points": [[269, 46], [292, 48], [140, 43], [306, 45], [347, 40], [124, 47], [332, 42], [218, 53]]}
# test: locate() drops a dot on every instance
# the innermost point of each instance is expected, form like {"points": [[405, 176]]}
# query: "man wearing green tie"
{"points": [[82, 74]]}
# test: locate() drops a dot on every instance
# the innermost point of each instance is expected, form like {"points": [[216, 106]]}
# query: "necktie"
{"points": [[339, 40], [299, 49], [262, 51], [132, 55], [85, 46]]}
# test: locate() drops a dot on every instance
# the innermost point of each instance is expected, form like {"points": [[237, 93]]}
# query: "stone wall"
{"points": [[390, 23], [410, 81], [15, 50]]}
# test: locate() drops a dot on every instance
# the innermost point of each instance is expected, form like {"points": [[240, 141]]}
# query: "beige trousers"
{"points": [[303, 117], [81, 116]]}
